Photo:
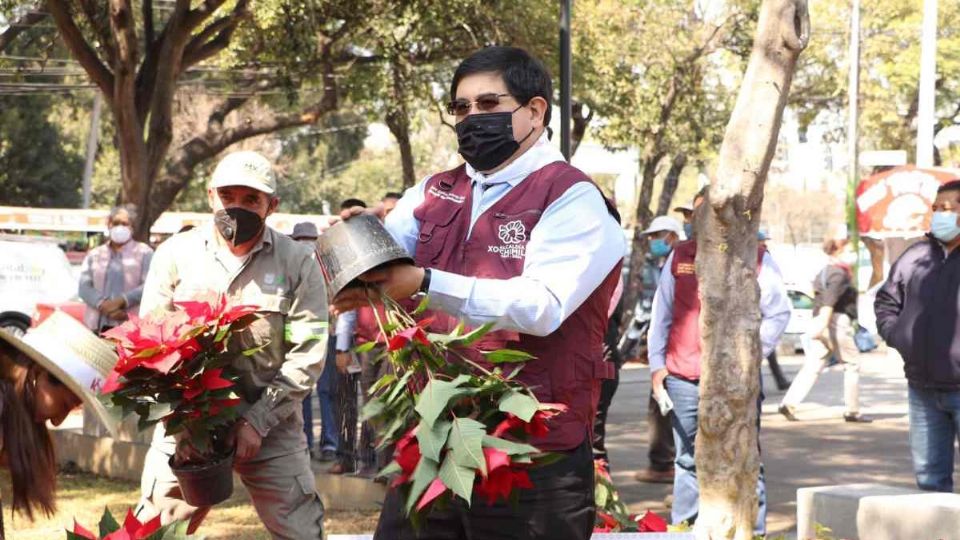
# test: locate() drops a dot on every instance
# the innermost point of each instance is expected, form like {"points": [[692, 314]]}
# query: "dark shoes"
{"points": [[856, 418], [788, 413], [652, 476]]}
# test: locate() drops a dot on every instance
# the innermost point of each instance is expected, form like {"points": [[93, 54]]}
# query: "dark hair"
{"points": [[27, 444], [525, 76], [833, 245], [952, 185], [350, 203], [392, 195]]}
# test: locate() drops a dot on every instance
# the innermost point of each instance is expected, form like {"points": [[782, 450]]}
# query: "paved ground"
{"points": [[821, 449]]}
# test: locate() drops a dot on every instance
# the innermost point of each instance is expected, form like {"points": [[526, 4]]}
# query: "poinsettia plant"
{"points": [[131, 529], [612, 513], [174, 368], [460, 428]]}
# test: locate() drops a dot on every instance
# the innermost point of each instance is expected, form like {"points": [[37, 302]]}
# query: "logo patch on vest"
{"points": [[446, 195], [686, 268], [514, 236]]}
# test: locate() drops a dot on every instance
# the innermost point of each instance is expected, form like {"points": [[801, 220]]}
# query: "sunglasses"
{"points": [[485, 103]]}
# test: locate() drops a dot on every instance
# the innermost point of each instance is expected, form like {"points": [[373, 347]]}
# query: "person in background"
{"points": [[675, 360], [686, 211], [112, 274], [830, 335], [389, 202], [306, 233], [663, 233], [917, 314], [44, 375], [781, 381]]}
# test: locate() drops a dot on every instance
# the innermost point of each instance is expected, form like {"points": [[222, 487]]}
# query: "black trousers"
{"points": [[560, 506]]}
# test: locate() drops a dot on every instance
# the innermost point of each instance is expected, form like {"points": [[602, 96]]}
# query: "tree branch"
{"points": [[82, 51], [215, 37], [24, 23], [101, 28], [195, 17]]}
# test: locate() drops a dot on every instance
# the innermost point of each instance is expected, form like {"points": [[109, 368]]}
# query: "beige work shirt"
{"points": [[284, 279]]}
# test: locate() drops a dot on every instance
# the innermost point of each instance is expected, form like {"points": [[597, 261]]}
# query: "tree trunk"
{"points": [[398, 121], [727, 456], [670, 183], [580, 124], [641, 219]]}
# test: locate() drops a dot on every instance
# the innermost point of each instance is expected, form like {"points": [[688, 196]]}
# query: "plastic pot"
{"points": [[205, 484]]}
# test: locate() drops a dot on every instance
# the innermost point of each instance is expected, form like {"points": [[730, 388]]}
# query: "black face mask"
{"points": [[486, 140], [238, 225]]}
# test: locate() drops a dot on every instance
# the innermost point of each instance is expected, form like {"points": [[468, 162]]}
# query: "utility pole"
{"points": [[566, 78], [93, 138], [928, 81], [853, 134]]}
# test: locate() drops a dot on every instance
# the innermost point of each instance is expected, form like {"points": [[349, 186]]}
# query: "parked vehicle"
{"points": [[801, 312], [33, 271]]}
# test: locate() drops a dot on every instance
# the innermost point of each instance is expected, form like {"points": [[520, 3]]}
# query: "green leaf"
{"points": [[502, 356], [107, 523], [458, 478], [399, 386], [432, 439], [392, 468], [466, 438], [373, 408], [366, 347], [435, 396], [255, 350], [473, 336], [158, 411], [421, 307], [510, 447], [425, 472], [382, 383], [520, 405]]}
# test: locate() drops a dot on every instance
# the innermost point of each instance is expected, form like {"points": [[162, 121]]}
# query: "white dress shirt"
{"points": [[774, 311], [570, 252]]}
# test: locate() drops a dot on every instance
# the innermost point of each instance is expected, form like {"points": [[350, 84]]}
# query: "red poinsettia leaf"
{"points": [[602, 529], [521, 479], [651, 522], [434, 490], [147, 529], [409, 457], [397, 342], [234, 313], [495, 459], [112, 384], [507, 425], [130, 522], [189, 348], [80, 531], [162, 362], [192, 391], [537, 426], [121, 534], [211, 380], [608, 520]]}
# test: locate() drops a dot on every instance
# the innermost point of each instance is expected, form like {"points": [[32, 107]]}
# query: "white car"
{"points": [[33, 270], [801, 312]]}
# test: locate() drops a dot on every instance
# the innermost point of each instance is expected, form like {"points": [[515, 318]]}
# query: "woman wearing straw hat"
{"points": [[52, 370]]}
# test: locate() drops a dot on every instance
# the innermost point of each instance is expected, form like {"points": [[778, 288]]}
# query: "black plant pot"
{"points": [[205, 484], [352, 247]]}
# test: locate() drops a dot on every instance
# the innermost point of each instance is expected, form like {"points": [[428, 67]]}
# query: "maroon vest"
{"points": [[367, 328], [683, 342], [569, 362]]}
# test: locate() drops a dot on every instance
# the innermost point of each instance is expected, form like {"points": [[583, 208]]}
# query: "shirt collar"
{"points": [[541, 154]]}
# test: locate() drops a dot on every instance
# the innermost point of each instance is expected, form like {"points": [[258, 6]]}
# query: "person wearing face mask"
{"points": [[518, 238], [917, 315], [662, 234], [830, 334], [112, 275], [240, 256]]}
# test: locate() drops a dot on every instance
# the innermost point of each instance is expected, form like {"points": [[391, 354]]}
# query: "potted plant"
{"points": [[459, 427], [131, 529], [174, 368]]}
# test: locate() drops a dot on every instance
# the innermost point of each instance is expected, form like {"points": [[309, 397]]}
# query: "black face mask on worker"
{"points": [[238, 225], [486, 140]]}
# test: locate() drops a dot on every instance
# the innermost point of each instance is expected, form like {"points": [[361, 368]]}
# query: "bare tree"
{"points": [[727, 456]]}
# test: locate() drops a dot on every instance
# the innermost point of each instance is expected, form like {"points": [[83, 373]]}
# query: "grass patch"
{"points": [[84, 496]]}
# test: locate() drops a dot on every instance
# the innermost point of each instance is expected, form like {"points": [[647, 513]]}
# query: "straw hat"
{"points": [[74, 355]]}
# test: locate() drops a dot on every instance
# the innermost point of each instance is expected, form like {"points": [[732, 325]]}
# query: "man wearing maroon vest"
{"points": [[519, 238], [674, 352]]}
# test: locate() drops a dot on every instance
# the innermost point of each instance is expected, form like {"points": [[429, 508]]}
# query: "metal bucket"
{"points": [[352, 247]]}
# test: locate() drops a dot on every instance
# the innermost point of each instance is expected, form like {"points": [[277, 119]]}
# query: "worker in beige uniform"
{"points": [[240, 256]]}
